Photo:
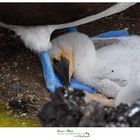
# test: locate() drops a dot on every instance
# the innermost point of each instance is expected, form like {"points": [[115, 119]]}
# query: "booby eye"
{"points": [[112, 71], [55, 62]]}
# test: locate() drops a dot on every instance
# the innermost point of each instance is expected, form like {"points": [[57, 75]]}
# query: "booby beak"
{"points": [[63, 64]]}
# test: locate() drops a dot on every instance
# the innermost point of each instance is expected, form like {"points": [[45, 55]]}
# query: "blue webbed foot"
{"points": [[80, 86], [51, 80]]}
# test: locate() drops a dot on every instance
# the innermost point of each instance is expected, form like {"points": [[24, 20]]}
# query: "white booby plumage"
{"points": [[113, 70]]}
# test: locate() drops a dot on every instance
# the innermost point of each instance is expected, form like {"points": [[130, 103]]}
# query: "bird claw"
{"points": [[53, 84]]}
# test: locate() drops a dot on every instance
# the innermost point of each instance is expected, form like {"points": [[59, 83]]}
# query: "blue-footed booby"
{"points": [[37, 38]]}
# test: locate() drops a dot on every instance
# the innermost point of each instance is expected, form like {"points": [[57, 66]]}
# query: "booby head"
{"points": [[62, 60], [73, 50]]}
